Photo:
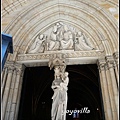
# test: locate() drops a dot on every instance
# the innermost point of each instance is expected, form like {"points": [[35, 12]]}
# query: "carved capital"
{"points": [[101, 64], [19, 68], [106, 67], [110, 61], [114, 64], [116, 55], [11, 69], [5, 67]]}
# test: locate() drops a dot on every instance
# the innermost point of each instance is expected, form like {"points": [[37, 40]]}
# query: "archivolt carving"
{"points": [[61, 37]]}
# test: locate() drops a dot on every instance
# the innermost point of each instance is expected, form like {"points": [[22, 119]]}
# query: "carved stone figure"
{"points": [[61, 37], [58, 72], [57, 60], [81, 42], [66, 39], [38, 46], [64, 84], [54, 43], [59, 86], [59, 104]]}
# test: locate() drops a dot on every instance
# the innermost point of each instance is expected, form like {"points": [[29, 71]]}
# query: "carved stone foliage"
{"points": [[14, 67], [57, 60], [61, 37]]}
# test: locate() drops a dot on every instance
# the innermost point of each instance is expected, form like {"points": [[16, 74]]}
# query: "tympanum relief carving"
{"points": [[61, 37]]}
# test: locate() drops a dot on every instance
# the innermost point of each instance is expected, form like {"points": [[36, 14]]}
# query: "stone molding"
{"points": [[68, 54]]}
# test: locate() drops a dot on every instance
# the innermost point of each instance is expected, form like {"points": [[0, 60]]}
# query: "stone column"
{"points": [[19, 93], [7, 89], [10, 95], [4, 78], [115, 55], [15, 93], [110, 63], [104, 88], [116, 73], [111, 95], [3, 72]]}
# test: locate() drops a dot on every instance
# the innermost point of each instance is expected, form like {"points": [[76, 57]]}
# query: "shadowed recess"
{"points": [[83, 91]]}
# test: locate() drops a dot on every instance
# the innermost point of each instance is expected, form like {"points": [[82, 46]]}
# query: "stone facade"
{"points": [[29, 22]]}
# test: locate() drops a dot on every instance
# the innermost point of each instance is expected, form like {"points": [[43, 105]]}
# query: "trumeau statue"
{"points": [[61, 37], [59, 105], [59, 86]]}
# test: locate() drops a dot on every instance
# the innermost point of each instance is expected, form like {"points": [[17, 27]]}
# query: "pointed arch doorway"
{"points": [[83, 92]]}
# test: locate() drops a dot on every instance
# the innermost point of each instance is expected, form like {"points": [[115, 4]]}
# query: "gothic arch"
{"points": [[25, 19], [88, 16]]}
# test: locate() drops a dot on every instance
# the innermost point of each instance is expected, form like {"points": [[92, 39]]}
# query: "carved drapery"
{"points": [[59, 86]]}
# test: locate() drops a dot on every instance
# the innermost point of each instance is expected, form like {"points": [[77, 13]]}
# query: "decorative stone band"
{"points": [[68, 54]]}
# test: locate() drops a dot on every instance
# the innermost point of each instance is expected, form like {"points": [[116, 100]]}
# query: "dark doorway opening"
{"points": [[83, 93]]}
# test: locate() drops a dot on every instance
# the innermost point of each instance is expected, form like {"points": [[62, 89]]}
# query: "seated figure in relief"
{"points": [[66, 39], [38, 46], [81, 42], [54, 43]]}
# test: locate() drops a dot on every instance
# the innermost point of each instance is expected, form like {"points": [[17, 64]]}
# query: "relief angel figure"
{"points": [[38, 46], [81, 42]]}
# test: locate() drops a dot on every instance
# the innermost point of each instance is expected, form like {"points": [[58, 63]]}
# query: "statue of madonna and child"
{"points": [[59, 86]]}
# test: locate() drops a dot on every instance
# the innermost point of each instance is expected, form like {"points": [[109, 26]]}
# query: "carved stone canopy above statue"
{"points": [[61, 37]]}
